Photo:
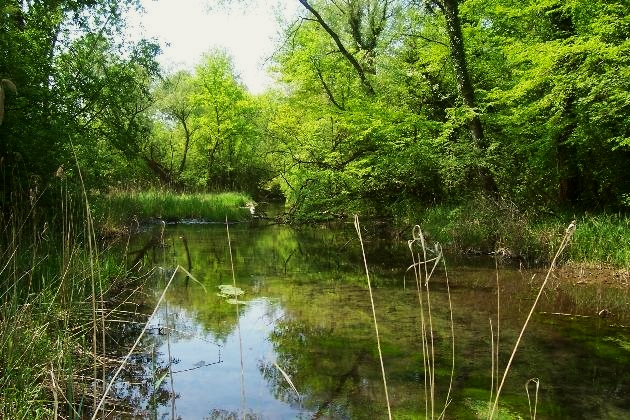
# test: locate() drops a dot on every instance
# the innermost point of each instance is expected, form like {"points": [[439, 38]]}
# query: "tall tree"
{"points": [[465, 88], [365, 21], [36, 42]]}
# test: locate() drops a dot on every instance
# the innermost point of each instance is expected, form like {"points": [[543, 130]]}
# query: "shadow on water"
{"points": [[307, 347]]}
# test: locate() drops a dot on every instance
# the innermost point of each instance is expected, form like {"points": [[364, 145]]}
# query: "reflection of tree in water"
{"points": [[137, 389], [334, 374]]}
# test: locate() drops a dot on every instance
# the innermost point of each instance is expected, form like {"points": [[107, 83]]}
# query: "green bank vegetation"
{"points": [[490, 226], [125, 207], [65, 301], [382, 108]]}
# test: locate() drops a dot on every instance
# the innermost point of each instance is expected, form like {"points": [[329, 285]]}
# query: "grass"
{"points": [[485, 225], [118, 207], [602, 239], [60, 300]]}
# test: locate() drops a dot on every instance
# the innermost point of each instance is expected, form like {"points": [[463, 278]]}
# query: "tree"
{"points": [[559, 107], [38, 41], [107, 100], [176, 127]]}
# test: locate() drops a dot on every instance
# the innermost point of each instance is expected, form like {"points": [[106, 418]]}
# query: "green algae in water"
{"points": [[481, 410]]}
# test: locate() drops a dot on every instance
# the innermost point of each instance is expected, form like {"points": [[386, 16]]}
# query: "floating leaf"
{"points": [[229, 291], [233, 301]]}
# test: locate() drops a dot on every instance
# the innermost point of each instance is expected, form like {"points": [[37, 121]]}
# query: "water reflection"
{"points": [[207, 375], [303, 344]]}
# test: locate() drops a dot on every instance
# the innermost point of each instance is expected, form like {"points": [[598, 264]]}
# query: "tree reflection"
{"points": [[336, 374]]}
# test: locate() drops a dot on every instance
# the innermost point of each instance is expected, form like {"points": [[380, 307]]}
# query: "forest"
{"points": [[382, 108]]}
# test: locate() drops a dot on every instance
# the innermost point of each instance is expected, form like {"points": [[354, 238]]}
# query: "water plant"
{"points": [[118, 207], [63, 299]]}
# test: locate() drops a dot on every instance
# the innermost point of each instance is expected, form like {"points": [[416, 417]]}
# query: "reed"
{"points": [[565, 242], [486, 225], [117, 207], [425, 261], [357, 226], [60, 292]]}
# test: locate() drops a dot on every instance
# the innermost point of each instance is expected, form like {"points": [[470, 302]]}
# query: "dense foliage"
{"points": [[396, 126], [381, 106]]}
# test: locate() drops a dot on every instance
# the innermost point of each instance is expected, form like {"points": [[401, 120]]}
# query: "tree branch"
{"points": [[329, 93], [342, 49]]}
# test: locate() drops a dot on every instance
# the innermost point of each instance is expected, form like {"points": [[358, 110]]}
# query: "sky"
{"points": [[188, 28]]}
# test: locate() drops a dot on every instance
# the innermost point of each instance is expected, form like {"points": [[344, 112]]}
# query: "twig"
{"points": [[378, 340], [565, 241]]}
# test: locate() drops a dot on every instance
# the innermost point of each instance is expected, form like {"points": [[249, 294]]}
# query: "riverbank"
{"points": [[69, 306], [123, 208], [481, 226], [486, 226]]}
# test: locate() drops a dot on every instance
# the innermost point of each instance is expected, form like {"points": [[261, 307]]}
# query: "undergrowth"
{"points": [[61, 296], [118, 207], [493, 226]]}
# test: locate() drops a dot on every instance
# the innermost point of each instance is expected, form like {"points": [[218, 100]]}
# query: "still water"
{"points": [[300, 342]]}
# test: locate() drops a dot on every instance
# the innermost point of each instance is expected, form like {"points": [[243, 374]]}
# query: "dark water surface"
{"points": [[302, 343]]}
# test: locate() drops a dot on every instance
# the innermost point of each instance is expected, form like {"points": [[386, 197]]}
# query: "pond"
{"points": [[300, 341]]}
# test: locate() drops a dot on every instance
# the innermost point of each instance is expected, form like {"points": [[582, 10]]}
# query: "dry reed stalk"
{"points": [[238, 320], [135, 344], [532, 413], [423, 276], [288, 379], [54, 391], [565, 241], [170, 361], [494, 373], [447, 401], [378, 339], [91, 237]]}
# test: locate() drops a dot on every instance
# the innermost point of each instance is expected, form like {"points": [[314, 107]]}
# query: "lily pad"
{"points": [[233, 301], [229, 291]]}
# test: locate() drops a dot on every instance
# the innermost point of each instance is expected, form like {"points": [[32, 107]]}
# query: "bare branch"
{"points": [[344, 51]]}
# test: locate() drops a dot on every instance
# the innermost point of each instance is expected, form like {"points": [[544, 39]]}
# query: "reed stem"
{"points": [[357, 226]]}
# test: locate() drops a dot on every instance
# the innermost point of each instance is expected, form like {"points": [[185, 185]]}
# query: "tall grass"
{"points": [[117, 207], [55, 284], [603, 239], [487, 225]]}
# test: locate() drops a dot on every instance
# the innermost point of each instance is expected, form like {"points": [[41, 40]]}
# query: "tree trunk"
{"points": [[464, 85], [458, 55], [342, 49]]}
